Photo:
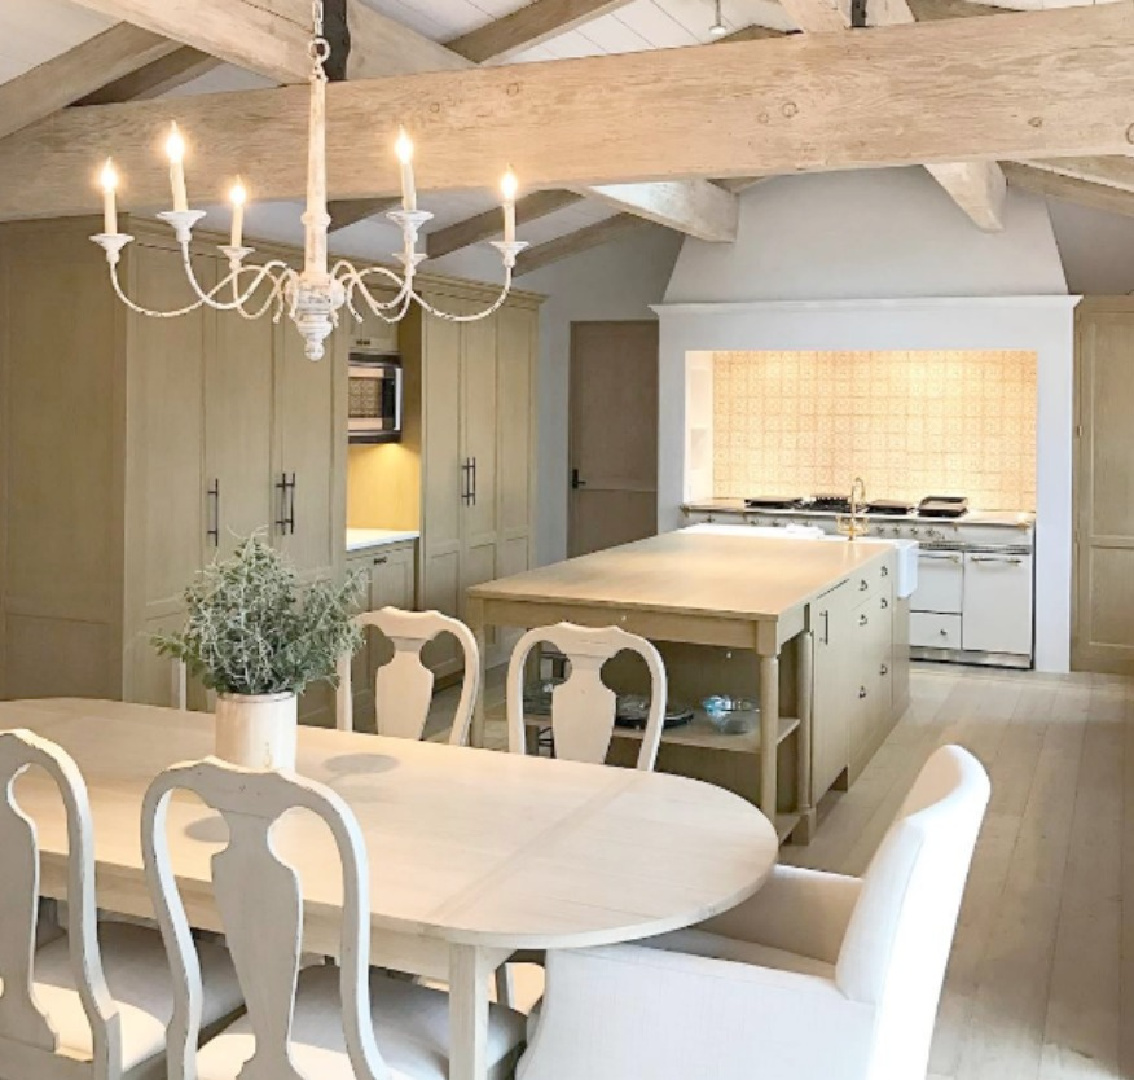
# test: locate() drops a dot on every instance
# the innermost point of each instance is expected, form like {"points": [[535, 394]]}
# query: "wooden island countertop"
{"points": [[725, 590]]}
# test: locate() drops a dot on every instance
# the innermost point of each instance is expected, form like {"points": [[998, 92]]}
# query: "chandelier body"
{"points": [[314, 297]]}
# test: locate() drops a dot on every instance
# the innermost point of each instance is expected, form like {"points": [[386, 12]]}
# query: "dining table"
{"points": [[473, 854]]}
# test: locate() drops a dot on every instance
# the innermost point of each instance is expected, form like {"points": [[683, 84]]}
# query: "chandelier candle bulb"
{"points": [[108, 178], [239, 197], [404, 149], [175, 148], [509, 187]]}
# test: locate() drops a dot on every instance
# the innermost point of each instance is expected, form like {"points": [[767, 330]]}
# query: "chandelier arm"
{"points": [[357, 279], [275, 295], [490, 310], [139, 310], [236, 304]]}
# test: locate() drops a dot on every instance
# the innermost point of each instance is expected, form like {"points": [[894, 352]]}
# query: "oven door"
{"points": [[997, 614], [374, 402], [940, 582]]}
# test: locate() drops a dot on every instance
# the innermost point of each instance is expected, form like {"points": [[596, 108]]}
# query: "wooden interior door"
{"points": [[613, 434], [1103, 597]]}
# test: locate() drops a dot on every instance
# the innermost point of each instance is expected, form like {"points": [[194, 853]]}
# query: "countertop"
{"points": [[693, 573], [973, 517], [361, 539]]}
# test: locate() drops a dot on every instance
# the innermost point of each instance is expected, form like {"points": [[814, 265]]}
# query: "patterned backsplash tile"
{"points": [[909, 423]]}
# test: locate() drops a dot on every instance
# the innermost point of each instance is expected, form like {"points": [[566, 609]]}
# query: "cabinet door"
{"points": [[392, 578], [165, 463], [998, 603], [442, 478], [940, 582], [479, 434], [516, 359], [834, 640], [238, 433], [310, 447]]}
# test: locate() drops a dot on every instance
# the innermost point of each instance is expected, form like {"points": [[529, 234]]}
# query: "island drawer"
{"points": [[931, 631]]}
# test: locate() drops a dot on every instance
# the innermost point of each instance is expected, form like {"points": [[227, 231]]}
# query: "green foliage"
{"points": [[253, 629]]}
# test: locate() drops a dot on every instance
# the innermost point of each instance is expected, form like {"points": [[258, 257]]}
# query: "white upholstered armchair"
{"points": [[817, 977]]}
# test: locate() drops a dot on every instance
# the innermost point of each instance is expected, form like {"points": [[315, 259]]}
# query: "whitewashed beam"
{"points": [[529, 26], [485, 226], [704, 210], [272, 38], [56, 83], [1035, 85], [181, 66], [1117, 172], [563, 247], [1112, 200], [977, 187]]}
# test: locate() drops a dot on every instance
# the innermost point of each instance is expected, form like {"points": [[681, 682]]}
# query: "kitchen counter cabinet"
{"points": [[710, 601]]}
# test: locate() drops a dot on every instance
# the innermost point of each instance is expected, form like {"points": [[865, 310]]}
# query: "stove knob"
{"points": [[915, 531]]}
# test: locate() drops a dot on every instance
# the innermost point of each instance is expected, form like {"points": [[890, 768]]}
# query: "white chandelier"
{"points": [[314, 297]]}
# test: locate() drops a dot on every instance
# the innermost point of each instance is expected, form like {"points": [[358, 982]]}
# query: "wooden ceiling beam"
{"points": [[272, 38], [1035, 85], [708, 212], [347, 212], [1056, 186], [563, 247], [182, 65], [1116, 172], [491, 223], [529, 26], [977, 187], [116, 52]]}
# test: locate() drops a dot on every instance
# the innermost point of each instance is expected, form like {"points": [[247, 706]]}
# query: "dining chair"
{"points": [[403, 687], [816, 977], [93, 1002], [321, 1022], [583, 708]]}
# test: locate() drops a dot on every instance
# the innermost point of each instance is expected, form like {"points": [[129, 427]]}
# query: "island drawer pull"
{"points": [[862, 692], [863, 620], [863, 585], [885, 571], [885, 603], [883, 670]]}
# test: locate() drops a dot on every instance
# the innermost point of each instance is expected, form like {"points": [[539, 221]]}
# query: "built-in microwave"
{"points": [[374, 409]]}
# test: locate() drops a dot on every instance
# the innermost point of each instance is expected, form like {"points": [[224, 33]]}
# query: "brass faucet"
{"points": [[854, 524]]}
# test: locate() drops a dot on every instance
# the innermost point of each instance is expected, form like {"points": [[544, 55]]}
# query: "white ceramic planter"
{"points": [[257, 731]]}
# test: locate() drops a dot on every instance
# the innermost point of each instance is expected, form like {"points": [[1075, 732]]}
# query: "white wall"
{"points": [[876, 261], [873, 233], [616, 282]]}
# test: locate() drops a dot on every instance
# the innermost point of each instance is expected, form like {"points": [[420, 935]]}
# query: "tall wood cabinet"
{"points": [[477, 449], [135, 449]]}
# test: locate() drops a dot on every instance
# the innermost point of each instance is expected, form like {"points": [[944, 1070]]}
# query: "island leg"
{"points": [[769, 733], [805, 669]]}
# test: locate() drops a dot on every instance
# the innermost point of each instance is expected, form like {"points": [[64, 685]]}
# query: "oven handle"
{"points": [[1010, 560], [939, 556]]}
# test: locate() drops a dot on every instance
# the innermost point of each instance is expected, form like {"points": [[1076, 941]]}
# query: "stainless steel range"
{"points": [[974, 602]]}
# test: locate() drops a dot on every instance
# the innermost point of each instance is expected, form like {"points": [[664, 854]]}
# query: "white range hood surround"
{"points": [[881, 261]]}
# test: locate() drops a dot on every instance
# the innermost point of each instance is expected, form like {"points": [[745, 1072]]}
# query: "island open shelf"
{"points": [[766, 610]]}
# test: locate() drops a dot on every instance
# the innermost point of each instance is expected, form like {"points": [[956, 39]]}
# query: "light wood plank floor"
{"points": [[1040, 985]]}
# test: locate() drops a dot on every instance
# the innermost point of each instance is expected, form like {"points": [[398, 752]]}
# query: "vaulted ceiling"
{"points": [[58, 53]]}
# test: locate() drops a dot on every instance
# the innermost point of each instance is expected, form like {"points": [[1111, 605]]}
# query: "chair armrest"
{"points": [[797, 910], [628, 1011]]}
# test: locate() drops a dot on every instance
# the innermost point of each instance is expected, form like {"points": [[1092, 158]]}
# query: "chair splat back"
{"points": [[24, 1028], [403, 688], [260, 902], [583, 707]]}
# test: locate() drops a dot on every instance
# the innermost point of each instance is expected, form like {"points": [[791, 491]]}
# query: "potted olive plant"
{"points": [[259, 638]]}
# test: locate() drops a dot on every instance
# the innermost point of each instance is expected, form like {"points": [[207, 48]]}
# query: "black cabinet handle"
{"points": [[213, 533], [381, 560], [466, 482], [286, 521], [577, 483], [473, 493]]}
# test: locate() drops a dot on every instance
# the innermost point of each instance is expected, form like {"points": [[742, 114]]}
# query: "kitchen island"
{"points": [[803, 626]]}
